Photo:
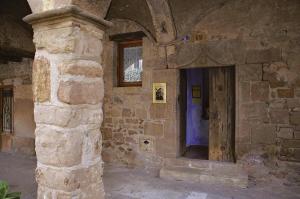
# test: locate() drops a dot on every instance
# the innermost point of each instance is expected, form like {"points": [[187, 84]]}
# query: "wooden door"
{"points": [[221, 114]]}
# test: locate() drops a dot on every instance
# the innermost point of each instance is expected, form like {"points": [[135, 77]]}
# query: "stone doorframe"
{"points": [[177, 113], [68, 93]]}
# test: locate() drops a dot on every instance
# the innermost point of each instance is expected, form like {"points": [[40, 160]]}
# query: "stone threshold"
{"points": [[204, 171]]}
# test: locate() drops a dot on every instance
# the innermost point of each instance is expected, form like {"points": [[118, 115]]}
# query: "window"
{"points": [[6, 109], [130, 63]]}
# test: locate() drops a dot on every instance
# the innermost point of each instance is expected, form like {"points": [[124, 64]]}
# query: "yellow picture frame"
{"points": [[159, 93]]}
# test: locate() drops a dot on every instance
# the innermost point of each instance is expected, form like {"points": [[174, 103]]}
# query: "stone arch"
{"points": [[162, 20]]}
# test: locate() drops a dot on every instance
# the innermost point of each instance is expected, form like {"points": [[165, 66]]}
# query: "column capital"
{"points": [[67, 12]]}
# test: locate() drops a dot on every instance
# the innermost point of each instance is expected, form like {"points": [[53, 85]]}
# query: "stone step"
{"points": [[210, 172]]}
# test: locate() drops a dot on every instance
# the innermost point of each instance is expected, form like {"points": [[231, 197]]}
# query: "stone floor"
{"points": [[124, 183]]}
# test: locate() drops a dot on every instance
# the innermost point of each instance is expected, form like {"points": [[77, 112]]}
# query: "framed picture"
{"points": [[159, 93], [196, 94]]}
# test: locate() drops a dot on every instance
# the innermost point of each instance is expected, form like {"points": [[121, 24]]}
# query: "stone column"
{"points": [[68, 92]]}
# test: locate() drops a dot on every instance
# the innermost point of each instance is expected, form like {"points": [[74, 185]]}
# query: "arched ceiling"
{"points": [[135, 10], [15, 35]]}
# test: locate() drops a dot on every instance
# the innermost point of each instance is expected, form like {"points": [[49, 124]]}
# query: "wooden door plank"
{"points": [[221, 100]]}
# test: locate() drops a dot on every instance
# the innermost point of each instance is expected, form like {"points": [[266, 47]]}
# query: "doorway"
{"points": [[207, 103]]}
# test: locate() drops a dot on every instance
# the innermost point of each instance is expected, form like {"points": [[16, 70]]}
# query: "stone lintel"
{"points": [[65, 12]]}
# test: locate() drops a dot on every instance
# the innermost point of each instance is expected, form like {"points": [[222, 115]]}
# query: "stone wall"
{"points": [[262, 45], [19, 75]]}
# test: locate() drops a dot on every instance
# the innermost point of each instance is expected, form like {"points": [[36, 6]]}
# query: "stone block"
{"points": [[107, 133], [75, 92], [277, 104], [60, 148], [250, 72], [293, 103], [41, 79], [297, 93], [285, 93], [68, 179], [295, 118], [116, 111], [126, 112], [297, 134], [296, 154], [260, 91], [146, 143], [263, 134], [245, 91], [263, 56], [92, 146], [154, 129], [285, 133], [67, 116], [254, 112], [279, 116], [158, 111], [55, 40], [141, 113], [244, 133], [273, 80], [290, 143], [85, 68], [94, 190]]}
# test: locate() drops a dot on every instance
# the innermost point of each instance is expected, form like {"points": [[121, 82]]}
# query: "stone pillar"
{"points": [[68, 92]]}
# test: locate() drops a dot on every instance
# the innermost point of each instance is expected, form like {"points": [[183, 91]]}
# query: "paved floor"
{"points": [[123, 183]]}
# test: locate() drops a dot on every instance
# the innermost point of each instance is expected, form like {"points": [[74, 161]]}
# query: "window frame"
{"points": [[120, 64], [1, 110]]}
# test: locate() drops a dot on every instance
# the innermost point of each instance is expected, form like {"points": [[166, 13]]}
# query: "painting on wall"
{"points": [[159, 92]]}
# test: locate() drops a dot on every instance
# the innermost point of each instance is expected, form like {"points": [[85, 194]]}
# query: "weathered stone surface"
{"points": [[107, 133], [279, 116], [295, 118], [263, 134], [81, 67], [256, 112], [68, 179], [55, 40], [293, 103], [244, 132], [154, 129], [263, 56], [127, 112], [274, 82], [290, 143], [285, 93], [250, 72], [297, 134], [286, 133], [260, 91], [245, 91], [158, 111], [41, 79], [141, 113], [59, 148], [75, 92], [67, 116]]}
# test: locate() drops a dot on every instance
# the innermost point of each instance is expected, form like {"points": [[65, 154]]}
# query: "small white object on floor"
{"points": [[197, 195]]}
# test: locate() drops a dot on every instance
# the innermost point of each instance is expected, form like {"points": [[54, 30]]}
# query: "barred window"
{"points": [[6, 105]]}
